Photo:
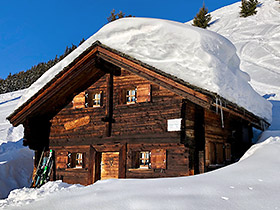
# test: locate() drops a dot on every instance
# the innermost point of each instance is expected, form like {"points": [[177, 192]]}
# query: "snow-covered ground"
{"points": [[252, 183], [16, 161]]}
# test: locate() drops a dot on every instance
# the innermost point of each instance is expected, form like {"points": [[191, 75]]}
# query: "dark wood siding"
{"points": [[147, 118]]}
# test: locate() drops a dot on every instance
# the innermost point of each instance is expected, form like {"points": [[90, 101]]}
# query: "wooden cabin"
{"points": [[108, 115]]}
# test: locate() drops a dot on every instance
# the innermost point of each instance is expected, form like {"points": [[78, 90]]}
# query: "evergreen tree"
{"points": [[248, 7], [202, 18], [114, 16], [24, 79], [82, 41]]}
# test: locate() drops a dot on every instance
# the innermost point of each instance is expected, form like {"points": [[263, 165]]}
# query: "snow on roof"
{"points": [[257, 41], [197, 56]]}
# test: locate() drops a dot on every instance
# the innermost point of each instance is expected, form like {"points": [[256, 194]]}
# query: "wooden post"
{"points": [[109, 104]]}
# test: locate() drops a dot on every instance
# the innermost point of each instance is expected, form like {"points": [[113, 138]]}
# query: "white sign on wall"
{"points": [[174, 124]]}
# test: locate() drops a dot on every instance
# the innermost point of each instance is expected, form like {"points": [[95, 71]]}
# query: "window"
{"points": [[96, 101], [154, 159], [220, 153], [93, 99], [75, 160], [145, 160], [131, 96]]}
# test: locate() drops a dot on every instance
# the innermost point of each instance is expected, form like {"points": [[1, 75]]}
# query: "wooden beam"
{"points": [[53, 88], [157, 78], [109, 104]]}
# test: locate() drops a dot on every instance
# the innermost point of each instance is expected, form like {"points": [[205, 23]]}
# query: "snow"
{"points": [[257, 39], [252, 183], [197, 56], [16, 161]]}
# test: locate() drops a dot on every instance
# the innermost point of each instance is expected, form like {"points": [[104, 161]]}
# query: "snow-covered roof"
{"points": [[197, 56], [257, 41]]}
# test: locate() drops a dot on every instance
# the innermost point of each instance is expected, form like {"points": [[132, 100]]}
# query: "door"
{"points": [[109, 165]]}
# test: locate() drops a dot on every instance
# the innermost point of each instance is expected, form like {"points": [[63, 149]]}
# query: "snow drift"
{"points": [[257, 39], [252, 183], [197, 56], [16, 161]]}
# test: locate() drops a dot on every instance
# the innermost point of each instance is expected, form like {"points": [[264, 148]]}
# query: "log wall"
{"points": [[76, 124], [137, 127]]}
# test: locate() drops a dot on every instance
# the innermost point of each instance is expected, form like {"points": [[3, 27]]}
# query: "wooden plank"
{"points": [[156, 78], [158, 158], [77, 123], [109, 165], [54, 87], [143, 93]]}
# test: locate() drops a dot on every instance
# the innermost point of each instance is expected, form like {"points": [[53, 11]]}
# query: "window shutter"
{"points": [[79, 101], [135, 159], [90, 97], [228, 152], [144, 93], [84, 160], [220, 153], [71, 160], [101, 98], [212, 153], [122, 96], [158, 158]]}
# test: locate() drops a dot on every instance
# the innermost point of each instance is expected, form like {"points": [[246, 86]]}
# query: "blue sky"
{"points": [[33, 31]]}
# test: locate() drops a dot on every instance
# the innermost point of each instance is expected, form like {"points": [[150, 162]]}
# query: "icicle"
{"points": [[217, 108], [222, 114]]}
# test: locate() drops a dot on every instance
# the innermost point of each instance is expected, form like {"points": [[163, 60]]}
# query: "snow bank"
{"points": [[8, 102], [257, 39], [200, 57], [23, 196], [16, 161], [16, 166], [253, 183]]}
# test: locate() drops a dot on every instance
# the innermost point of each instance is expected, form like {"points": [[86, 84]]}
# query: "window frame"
{"points": [[91, 100], [144, 160], [129, 95], [76, 160]]}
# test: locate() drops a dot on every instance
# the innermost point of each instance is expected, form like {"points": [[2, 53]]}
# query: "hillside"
{"points": [[257, 39], [16, 161]]}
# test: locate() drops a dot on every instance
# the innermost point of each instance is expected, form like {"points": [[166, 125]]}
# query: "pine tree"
{"points": [[82, 41], [248, 8], [114, 16], [24, 79], [202, 18]]}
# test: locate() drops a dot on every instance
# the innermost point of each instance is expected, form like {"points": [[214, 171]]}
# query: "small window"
{"points": [[154, 159], [131, 96], [145, 160], [216, 153], [75, 160], [93, 99], [96, 101]]}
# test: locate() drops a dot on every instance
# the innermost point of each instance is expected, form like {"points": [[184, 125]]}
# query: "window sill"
{"points": [[76, 169], [215, 166], [140, 169]]}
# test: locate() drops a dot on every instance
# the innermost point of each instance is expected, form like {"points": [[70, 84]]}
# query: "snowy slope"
{"points": [[16, 161], [8, 102], [257, 39], [253, 183], [199, 57]]}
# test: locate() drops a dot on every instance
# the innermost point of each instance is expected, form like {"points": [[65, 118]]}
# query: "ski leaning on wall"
{"points": [[43, 171]]}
